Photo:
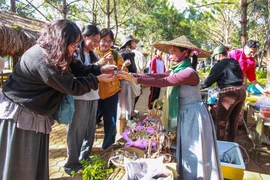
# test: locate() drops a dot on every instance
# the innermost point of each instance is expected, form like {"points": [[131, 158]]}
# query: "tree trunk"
{"points": [[116, 20], [108, 13], [243, 22], [94, 19], [268, 49], [13, 5], [64, 9]]}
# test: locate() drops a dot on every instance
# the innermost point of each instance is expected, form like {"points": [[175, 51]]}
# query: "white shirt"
{"points": [[93, 94], [140, 61], [160, 66], [86, 58]]}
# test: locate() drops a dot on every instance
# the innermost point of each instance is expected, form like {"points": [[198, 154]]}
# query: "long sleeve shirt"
{"points": [[38, 86], [247, 64], [184, 77], [226, 73]]}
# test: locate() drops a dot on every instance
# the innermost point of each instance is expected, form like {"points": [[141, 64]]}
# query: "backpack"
{"points": [[115, 55]]}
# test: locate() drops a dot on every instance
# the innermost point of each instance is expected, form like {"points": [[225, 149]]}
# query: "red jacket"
{"points": [[153, 65]]}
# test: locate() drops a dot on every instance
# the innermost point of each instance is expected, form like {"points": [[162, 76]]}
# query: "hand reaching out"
{"points": [[126, 76], [105, 77], [107, 69], [126, 64]]}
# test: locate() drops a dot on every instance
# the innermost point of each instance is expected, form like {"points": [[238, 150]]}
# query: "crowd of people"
{"points": [[82, 63]]}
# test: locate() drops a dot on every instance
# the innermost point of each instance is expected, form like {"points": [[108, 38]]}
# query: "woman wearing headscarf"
{"points": [[196, 149]]}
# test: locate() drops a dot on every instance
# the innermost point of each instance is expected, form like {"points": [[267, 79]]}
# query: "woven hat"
{"points": [[181, 41], [128, 38]]}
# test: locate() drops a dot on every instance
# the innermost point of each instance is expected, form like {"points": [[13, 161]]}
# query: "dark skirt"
{"points": [[24, 154]]}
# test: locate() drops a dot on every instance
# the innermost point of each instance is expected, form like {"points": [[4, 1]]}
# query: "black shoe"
{"points": [[70, 171]]}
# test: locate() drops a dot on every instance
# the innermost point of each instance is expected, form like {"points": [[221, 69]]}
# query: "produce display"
{"points": [[263, 105], [120, 156]]}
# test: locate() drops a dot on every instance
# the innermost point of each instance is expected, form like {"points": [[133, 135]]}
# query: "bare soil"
{"points": [[263, 163]]}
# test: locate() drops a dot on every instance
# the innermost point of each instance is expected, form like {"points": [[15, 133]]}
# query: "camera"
{"points": [[115, 71]]}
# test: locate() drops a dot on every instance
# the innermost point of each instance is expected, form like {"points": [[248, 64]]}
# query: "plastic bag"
{"points": [[253, 90], [262, 103], [141, 142]]}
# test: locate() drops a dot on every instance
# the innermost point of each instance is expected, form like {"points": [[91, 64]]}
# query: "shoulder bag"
{"points": [[65, 112]]}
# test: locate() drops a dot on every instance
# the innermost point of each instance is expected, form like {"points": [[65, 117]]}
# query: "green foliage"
{"points": [[261, 77], [96, 170], [203, 75], [261, 74], [262, 82], [207, 23], [161, 21], [3, 4]]}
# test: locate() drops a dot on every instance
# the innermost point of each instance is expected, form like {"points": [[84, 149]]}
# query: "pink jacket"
{"points": [[247, 64]]}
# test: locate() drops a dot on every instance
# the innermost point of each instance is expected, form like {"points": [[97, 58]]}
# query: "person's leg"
{"points": [[233, 118], [222, 115], [136, 100], [109, 117], [157, 93], [154, 94], [90, 132], [226, 106], [75, 135], [99, 111], [24, 154], [150, 98]]}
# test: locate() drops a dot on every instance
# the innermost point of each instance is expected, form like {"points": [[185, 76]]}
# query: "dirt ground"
{"points": [[263, 164]]}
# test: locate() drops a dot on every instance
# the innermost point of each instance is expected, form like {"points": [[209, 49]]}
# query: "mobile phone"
{"points": [[115, 71]]}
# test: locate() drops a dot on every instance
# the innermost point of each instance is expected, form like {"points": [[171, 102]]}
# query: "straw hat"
{"points": [[181, 41], [128, 38]]}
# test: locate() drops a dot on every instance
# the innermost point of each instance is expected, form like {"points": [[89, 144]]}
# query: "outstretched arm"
{"points": [[185, 77]]}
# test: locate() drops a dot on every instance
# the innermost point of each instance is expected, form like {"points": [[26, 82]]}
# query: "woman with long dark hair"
{"points": [[129, 44], [81, 131], [32, 94]]}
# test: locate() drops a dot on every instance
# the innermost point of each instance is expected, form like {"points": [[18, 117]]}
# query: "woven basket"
{"points": [[155, 112], [139, 153]]}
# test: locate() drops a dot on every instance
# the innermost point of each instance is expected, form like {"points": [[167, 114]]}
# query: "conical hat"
{"points": [[181, 41]]}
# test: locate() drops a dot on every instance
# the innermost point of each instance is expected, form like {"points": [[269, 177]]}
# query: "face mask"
{"points": [[181, 58]]}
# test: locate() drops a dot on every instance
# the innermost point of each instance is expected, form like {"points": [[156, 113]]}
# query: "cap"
{"points": [[219, 49]]}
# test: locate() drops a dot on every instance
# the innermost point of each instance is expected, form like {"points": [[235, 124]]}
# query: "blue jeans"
{"points": [[108, 109]]}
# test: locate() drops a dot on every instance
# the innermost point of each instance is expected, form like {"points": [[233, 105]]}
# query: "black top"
{"points": [[226, 73], [38, 86], [131, 56]]}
